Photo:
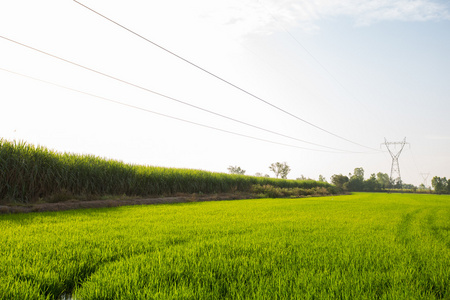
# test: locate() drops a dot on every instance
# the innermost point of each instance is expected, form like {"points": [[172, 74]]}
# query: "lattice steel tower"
{"points": [[395, 153], [425, 178]]}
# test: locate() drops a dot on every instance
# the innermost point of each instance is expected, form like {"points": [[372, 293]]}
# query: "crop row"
{"points": [[360, 246], [29, 172]]}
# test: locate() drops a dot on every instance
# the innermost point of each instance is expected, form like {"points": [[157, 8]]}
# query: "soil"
{"points": [[82, 204]]}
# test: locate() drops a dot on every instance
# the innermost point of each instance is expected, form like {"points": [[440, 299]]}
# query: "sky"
{"points": [[320, 85]]}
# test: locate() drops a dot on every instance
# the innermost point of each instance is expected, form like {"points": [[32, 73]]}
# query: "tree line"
{"points": [[376, 182], [355, 182], [440, 185]]}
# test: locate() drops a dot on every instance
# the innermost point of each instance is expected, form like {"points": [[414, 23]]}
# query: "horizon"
{"points": [[332, 76]]}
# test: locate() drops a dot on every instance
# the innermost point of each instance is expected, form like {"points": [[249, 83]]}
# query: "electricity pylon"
{"points": [[425, 178], [395, 167]]}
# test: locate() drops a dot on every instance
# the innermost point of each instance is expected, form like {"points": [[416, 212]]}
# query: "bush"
{"points": [[269, 191]]}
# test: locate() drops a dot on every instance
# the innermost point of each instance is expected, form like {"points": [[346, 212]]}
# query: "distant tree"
{"points": [[339, 181], [356, 182], [236, 170], [440, 185], [258, 174], [383, 180], [301, 178], [372, 184], [280, 169], [448, 186], [408, 186], [396, 183], [322, 178], [358, 172]]}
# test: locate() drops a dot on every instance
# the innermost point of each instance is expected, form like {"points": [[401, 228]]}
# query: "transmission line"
{"points": [[163, 115], [314, 58], [222, 79], [171, 98]]}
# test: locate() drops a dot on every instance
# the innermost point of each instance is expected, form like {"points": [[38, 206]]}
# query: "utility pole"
{"points": [[395, 153]]}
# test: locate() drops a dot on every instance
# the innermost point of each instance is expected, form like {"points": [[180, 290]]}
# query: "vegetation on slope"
{"points": [[29, 173]]}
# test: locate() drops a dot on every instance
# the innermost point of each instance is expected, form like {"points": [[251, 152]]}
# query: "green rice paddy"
{"points": [[361, 246]]}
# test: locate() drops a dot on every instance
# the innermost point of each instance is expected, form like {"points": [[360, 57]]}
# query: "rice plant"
{"points": [[361, 246]]}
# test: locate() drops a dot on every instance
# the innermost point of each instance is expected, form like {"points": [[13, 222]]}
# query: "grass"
{"points": [[361, 246], [30, 173]]}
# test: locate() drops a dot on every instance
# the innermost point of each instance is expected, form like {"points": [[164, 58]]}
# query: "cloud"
{"points": [[439, 138], [244, 17], [368, 12]]}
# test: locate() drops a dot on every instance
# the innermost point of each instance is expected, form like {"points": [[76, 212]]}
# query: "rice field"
{"points": [[360, 246], [30, 173]]}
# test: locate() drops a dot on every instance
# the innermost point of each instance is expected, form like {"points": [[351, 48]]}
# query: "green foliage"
{"points": [[236, 170], [383, 180], [355, 184], [29, 173], [361, 246], [356, 181], [374, 183], [339, 181], [358, 173], [322, 178], [280, 169], [440, 185]]}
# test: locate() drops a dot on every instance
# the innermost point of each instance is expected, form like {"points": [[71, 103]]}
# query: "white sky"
{"points": [[363, 70]]}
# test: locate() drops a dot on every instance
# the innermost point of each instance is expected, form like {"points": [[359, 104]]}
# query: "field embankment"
{"points": [[361, 246], [31, 173]]}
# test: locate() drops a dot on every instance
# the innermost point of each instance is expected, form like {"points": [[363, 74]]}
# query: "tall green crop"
{"points": [[29, 172]]}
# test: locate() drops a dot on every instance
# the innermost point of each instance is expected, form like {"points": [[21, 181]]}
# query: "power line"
{"points": [[161, 114], [171, 98], [222, 79], [417, 167], [314, 58]]}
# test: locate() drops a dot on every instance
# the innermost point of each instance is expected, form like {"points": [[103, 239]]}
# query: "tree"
{"points": [[448, 186], [280, 169], [383, 180], [440, 185], [258, 174], [322, 178], [236, 170], [359, 172], [408, 186], [339, 181], [372, 184], [397, 183], [356, 182]]}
